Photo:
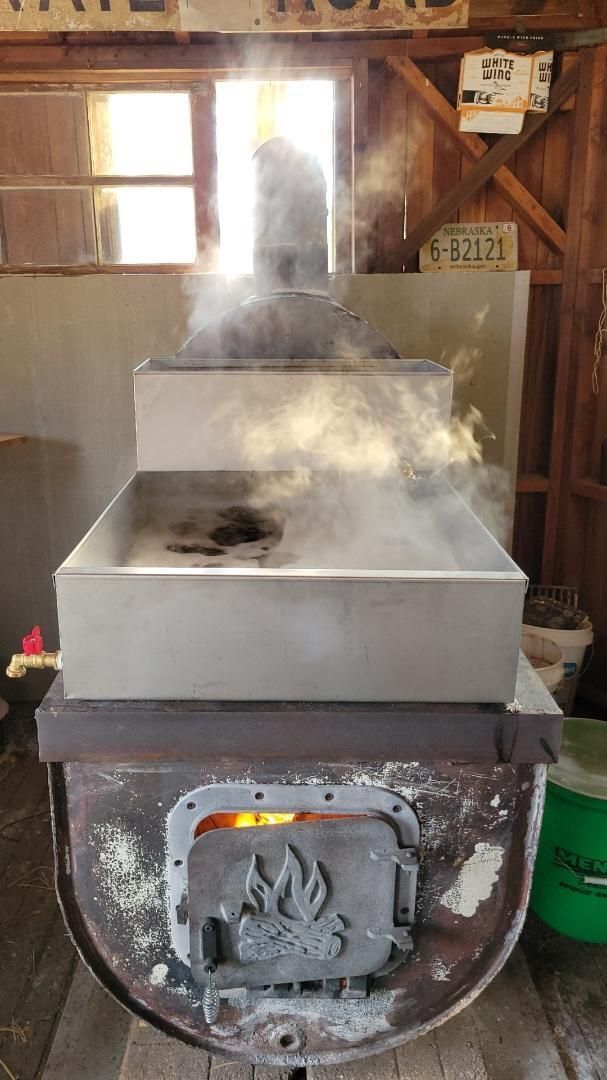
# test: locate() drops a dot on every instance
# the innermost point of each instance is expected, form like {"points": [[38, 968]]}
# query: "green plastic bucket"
{"points": [[570, 881]]}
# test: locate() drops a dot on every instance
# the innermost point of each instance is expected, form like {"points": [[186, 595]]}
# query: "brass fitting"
{"points": [[21, 663]]}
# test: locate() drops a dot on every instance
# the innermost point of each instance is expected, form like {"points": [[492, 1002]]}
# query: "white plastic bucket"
{"points": [[573, 644], [547, 659]]}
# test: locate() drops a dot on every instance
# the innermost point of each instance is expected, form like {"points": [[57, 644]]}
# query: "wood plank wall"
{"points": [[577, 512]]}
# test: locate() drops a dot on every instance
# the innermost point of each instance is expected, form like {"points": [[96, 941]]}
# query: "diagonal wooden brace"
{"points": [[476, 149]]}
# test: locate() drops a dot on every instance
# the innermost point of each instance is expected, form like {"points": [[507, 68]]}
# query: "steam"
{"points": [[219, 294], [361, 503], [359, 467], [394, 423]]}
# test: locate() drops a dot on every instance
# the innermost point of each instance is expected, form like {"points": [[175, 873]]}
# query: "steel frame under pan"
{"points": [[528, 730]]}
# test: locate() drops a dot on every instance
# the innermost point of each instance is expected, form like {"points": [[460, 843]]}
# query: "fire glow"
{"points": [[247, 820]]}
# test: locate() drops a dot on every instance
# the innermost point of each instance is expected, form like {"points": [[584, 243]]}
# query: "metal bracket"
{"points": [[398, 935], [353, 988], [406, 858], [209, 946], [231, 916], [182, 909]]}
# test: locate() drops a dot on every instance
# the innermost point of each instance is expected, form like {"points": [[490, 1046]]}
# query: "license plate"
{"points": [[486, 246]]}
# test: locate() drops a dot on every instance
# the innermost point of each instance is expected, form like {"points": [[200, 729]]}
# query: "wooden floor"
{"points": [[543, 1018], [37, 960]]}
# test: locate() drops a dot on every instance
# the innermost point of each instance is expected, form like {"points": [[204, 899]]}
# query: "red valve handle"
{"points": [[32, 643]]}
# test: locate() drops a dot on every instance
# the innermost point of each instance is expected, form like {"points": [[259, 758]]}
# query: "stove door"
{"points": [[296, 902]]}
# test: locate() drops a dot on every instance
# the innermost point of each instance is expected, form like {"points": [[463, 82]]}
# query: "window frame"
{"points": [[203, 180]]}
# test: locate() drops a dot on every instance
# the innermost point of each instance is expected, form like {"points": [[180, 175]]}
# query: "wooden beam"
{"points": [[475, 148], [360, 91], [41, 181], [531, 484], [484, 169], [98, 268], [64, 63], [584, 39], [44, 81], [570, 422], [204, 150], [594, 276], [345, 92], [9, 440], [367, 94], [538, 15], [590, 489], [546, 277]]}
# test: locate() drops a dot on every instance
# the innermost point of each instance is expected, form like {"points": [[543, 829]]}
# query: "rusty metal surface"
{"points": [[237, 16], [318, 15], [479, 835], [147, 731]]}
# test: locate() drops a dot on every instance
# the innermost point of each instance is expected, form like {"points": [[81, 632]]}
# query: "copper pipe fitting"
{"points": [[21, 663]]}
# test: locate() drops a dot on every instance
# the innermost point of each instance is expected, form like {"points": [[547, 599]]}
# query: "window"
{"points": [[249, 113], [136, 136], [46, 214], [133, 179], [96, 178]]}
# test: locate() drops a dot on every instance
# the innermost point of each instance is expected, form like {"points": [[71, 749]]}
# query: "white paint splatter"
{"points": [[127, 884], [475, 880], [159, 974], [440, 971]]}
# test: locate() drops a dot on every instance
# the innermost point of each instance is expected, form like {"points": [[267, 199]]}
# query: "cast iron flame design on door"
{"points": [[271, 932]]}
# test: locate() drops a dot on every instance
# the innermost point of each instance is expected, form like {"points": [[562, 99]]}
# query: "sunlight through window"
{"points": [[149, 225], [144, 135], [248, 114]]}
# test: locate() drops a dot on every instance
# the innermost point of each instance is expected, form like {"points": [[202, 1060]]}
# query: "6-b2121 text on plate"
{"points": [[486, 245]]}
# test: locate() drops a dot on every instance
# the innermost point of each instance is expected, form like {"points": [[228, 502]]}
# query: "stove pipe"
{"points": [[290, 252], [290, 314]]}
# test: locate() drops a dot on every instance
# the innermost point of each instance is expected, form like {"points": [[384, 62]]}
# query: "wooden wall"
{"points": [[578, 500]]}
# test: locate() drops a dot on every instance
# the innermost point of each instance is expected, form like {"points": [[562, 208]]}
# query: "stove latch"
{"points": [[182, 908], [210, 954]]}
